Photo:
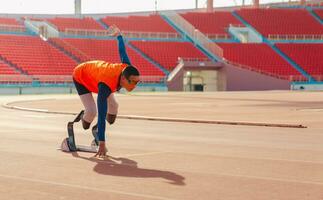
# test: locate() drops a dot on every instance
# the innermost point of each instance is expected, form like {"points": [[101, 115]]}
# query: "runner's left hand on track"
{"points": [[102, 151]]}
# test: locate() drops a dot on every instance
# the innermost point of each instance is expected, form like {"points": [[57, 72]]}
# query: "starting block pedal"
{"points": [[69, 144]]}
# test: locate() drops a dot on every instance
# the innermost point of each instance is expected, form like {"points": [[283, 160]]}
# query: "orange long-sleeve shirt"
{"points": [[91, 73]]}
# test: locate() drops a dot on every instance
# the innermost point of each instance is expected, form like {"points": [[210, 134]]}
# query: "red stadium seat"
{"points": [[282, 21], [107, 50], [212, 23], [34, 56], [319, 12], [151, 23], [258, 57], [75, 23], [167, 53], [307, 56]]}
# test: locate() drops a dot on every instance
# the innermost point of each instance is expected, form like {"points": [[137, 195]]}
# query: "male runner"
{"points": [[104, 78]]}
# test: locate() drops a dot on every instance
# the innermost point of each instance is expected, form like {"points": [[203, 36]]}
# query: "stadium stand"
{"points": [[308, 56], [167, 53], [9, 21], [282, 21], [258, 57], [11, 25], [75, 23], [150, 23], [34, 56], [214, 25], [54, 60], [107, 50]]}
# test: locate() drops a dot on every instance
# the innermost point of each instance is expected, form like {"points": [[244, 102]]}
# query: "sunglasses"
{"points": [[132, 82]]}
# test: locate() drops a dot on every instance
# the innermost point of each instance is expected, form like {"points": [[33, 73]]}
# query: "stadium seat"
{"points": [[307, 56], [319, 12], [34, 56], [75, 23], [150, 23], [258, 57], [107, 50], [216, 23], [167, 53], [282, 21]]}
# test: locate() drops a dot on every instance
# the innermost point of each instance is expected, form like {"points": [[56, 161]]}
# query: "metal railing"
{"points": [[217, 36], [132, 34], [180, 59], [61, 79], [12, 28], [295, 78], [52, 79], [295, 37], [153, 79], [15, 79], [128, 34], [314, 4]]}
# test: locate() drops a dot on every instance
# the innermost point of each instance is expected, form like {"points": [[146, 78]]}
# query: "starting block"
{"points": [[69, 144]]}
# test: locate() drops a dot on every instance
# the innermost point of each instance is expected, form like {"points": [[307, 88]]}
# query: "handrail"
{"points": [[176, 69], [285, 77], [192, 59], [315, 4], [9, 27], [129, 34], [10, 79], [65, 79], [295, 37], [214, 36]]}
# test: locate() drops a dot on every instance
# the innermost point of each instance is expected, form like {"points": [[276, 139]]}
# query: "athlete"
{"points": [[104, 78]]}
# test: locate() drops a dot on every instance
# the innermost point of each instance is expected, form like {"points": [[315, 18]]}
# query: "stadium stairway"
{"points": [[310, 10], [52, 43], [102, 23], [12, 65], [165, 71]]}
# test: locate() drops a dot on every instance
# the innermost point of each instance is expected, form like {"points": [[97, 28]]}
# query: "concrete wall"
{"points": [[206, 73], [245, 34], [242, 79]]}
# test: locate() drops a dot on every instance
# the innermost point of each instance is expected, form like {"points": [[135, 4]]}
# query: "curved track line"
{"points": [[137, 117]]}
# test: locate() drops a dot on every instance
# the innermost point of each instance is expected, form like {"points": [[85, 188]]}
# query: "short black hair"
{"points": [[130, 71]]}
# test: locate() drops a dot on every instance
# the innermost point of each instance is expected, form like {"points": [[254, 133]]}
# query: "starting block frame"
{"points": [[71, 137]]}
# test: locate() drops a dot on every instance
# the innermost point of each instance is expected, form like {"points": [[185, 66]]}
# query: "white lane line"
{"points": [[30, 109], [84, 187]]}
